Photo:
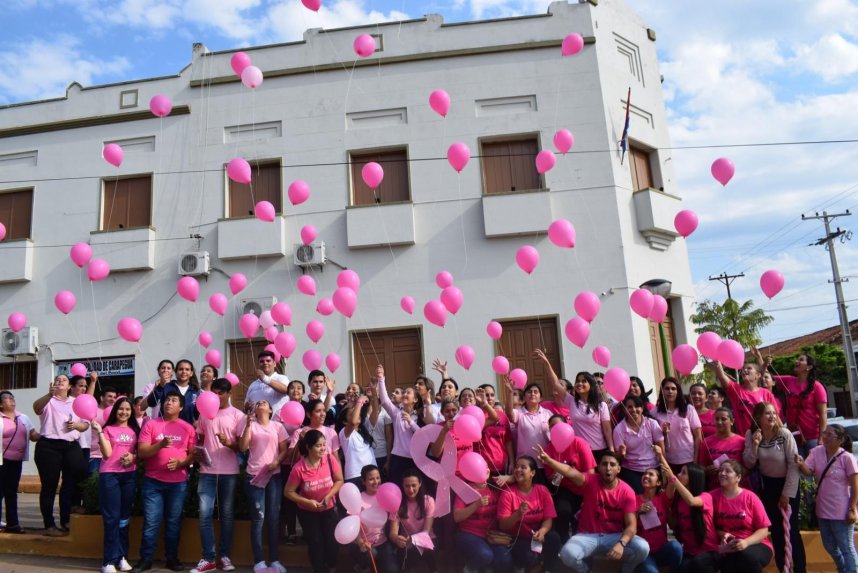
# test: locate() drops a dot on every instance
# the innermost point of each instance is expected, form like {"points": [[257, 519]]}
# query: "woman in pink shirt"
{"points": [[743, 397], [723, 445], [697, 397], [477, 535], [806, 403], [653, 509], [404, 421], [414, 516], [531, 422], [372, 537], [634, 438], [567, 496], [679, 423], [17, 432], [496, 445], [117, 481]]}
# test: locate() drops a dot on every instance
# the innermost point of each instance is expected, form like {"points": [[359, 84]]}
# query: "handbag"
{"points": [[811, 497]]}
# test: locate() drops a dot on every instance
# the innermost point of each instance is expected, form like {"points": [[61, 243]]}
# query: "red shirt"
{"points": [[685, 527], [801, 411], [485, 516], [315, 483], [493, 444], [657, 536], [743, 402], [707, 423], [604, 510], [578, 455], [714, 447], [540, 508], [740, 516]]}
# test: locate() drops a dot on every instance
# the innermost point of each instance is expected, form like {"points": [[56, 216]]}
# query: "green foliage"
{"points": [[806, 490], [830, 363], [741, 323]]}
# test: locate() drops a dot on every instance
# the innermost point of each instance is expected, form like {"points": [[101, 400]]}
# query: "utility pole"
{"points": [[848, 349], [727, 280]]}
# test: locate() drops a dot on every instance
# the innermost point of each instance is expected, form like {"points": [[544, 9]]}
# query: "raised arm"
{"points": [[90, 386], [680, 489], [720, 375], [354, 416], [331, 386], [509, 408], [438, 444], [565, 470], [552, 376], [381, 389]]}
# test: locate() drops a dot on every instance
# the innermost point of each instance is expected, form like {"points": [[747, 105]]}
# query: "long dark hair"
{"points": [[696, 485], [681, 400], [811, 375], [194, 381], [132, 421], [420, 498], [593, 400], [343, 416]]}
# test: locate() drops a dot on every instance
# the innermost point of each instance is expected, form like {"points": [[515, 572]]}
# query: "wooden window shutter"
{"points": [[16, 214], [641, 170], [127, 203], [510, 166], [265, 185], [393, 188]]}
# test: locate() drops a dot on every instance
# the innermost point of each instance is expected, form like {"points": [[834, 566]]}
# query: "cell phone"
{"points": [[535, 546]]}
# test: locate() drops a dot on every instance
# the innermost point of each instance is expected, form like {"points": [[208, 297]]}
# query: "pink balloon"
{"points": [[266, 320], [308, 234], [350, 279], [458, 155], [518, 377], [707, 344], [285, 343], [332, 361], [65, 301], [249, 325], [641, 302], [684, 358], [602, 356], [587, 305], [685, 222], [572, 44], [208, 403], [527, 257], [771, 282], [239, 170], [617, 383], [312, 360], [270, 333], [237, 282], [325, 307], [563, 140], [389, 497], [578, 331], [80, 254], [468, 429], [348, 528], [435, 312], [545, 161], [97, 270], [265, 211], [234, 381], [474, 412], [273, 349], [659, 309], [723, 170], [345, 301], [77, 369], [281, 312], [2, 231], [160, 105], [561, 436], [299, 191], [562, 233], [130, 329], [218, 303], [473, 467], [307, 285], [452, 298], [292, 414], [251, 77], [17, 321], [113, 154], [465, 356], [85, 407], [205, 339], [213, 358], [439, 101], [313, 5], [238, 62], [494, 330], [315, 329], [500, 365], [731, 354], [364, 45], [372, 174], [444, 279], [407, 304], [188, 288]]}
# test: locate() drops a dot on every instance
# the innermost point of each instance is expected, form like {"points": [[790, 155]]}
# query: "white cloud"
{"points": [[232, 18], [832, 57], [287, 21]]}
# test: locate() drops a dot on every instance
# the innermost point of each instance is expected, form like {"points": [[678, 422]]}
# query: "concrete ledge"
{"points": [[16, 261]]}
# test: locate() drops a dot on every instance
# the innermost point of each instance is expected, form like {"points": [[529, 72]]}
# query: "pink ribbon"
{"points": [[443, 472], [786, 513]]}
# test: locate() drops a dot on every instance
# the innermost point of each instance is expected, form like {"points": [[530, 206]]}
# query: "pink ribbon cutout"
{"points": [[443, 472]]}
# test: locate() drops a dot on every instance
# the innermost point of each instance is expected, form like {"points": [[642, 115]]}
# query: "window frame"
{"points": [[106, 181], [254, 165], [9, 227], [511, 138], [7, 368], [654, 174], [355, 177]]}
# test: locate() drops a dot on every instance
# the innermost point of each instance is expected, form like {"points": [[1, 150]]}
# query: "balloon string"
{"points": [[462, 219], [369, 549]]}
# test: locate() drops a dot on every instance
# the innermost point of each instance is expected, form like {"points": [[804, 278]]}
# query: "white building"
{"points": [[318, 109]]}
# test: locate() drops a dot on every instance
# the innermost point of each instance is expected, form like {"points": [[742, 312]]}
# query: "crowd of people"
{"points": [[720, 468]]}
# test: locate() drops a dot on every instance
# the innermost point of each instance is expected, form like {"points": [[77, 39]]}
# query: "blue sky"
{"points": [[736, 72]]}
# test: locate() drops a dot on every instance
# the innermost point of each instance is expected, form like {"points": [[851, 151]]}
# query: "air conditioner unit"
{"points": [[257, 305], [310, 255], [194, 264], [25, 341]]}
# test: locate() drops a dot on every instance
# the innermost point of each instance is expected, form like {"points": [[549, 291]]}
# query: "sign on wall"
{"points": [[116, 366]]}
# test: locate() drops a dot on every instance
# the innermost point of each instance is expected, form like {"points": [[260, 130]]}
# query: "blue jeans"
{"points": [[116, 498], [220, 489], [162, 501], [838, 538], [582, 546], [264, 503], [668, 555], [480, 554], [93, 465]]}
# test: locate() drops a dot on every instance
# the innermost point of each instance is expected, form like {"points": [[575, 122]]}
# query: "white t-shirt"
{"points": [[377, 433], [259, 390], [356, 452]]}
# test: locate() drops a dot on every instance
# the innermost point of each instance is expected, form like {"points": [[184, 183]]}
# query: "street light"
{"points": [[661, 287]]}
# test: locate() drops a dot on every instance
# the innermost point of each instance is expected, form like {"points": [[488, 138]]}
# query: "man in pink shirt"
{"points": [[166, 444]]}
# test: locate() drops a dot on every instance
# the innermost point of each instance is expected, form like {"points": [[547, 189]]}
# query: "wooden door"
{"points": [[655, 347], [399, 351], [243, 363], [519, 339]]}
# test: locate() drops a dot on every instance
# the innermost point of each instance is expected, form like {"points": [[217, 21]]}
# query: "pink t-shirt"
{"points": [[604, 509], [707, 422], [224, 459], [587, 423], [184, 439], [493, 444], [375, 535], [315, 483], [639, 455], [540, 507], [679, 442], [740, 516], [54, 417], [832, 499], [122, 440], [462, 446], [685, 527], [556, 409], [264, 443], [332, 441], [402, 429], [531, 428], [743, 402], [15, 437], [657, 536], [714, 447], [579, 455], [801, 411], [412, 524], [484, 517]]}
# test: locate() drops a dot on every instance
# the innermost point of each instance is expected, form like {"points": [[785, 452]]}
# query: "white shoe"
{"points": [[124, 565], [109, 568], [261, 566], [279, 566]]}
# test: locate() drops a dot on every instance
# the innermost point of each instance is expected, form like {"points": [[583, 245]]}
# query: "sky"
{"points": [[736, 74]]}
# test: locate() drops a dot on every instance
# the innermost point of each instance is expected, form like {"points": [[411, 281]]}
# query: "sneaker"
{"points": [[175, 565], [142, 565], [261, 566], [55, 531], [204, 565], [109, 568], [225, 564], [279, 567], [124, 565]]}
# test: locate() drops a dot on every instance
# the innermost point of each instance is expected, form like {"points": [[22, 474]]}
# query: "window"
{"points": [[18, 375], [16, 213], [127, 203], [400, 351], [641, 168], [510, 165], [265, 185], [394, 187], [519, 339]]}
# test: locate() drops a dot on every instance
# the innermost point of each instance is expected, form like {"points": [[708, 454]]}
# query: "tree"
{"points": [[741, 323], [830, 363]]}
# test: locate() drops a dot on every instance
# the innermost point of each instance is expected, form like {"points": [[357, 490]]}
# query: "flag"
{"points": [[624, 142]]}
